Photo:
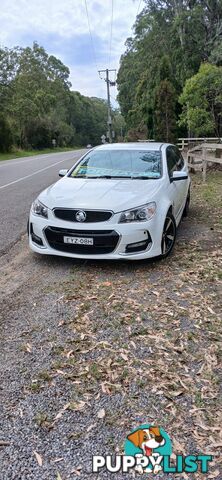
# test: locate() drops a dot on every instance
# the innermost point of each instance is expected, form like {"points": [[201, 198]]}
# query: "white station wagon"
{"points": [[119, 201]]}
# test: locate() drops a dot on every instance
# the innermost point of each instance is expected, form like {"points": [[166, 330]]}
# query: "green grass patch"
{"points": [[31, 153]]}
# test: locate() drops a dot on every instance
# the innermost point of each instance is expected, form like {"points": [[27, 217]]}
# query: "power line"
{"points": [[90, 33], [138, 7], [111, 32]]}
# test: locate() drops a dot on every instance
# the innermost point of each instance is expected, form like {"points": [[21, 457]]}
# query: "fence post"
{"points": [[204, 163]]}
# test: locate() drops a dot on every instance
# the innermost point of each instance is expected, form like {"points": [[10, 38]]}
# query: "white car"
{"points": [[119, 201]]}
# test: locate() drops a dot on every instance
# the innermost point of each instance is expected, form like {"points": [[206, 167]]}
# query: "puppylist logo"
{"points": [[148, 449], [148, 445]]}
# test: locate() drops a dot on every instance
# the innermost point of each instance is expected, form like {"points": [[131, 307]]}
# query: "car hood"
{"points": [[100, 194]]}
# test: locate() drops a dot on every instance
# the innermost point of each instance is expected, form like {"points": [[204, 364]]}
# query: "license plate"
{"points": [[78, 240]]}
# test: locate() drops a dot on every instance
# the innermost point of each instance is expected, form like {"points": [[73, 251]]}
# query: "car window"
{"points": [[179, 157], [171, 160], [175, 160]]}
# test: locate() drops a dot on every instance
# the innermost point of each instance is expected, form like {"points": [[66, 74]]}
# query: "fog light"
{"points": [[138, 246], [35, 238]]}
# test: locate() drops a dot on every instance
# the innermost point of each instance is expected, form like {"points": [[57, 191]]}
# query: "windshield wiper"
{"points": [[103, 176], [144, 178]]}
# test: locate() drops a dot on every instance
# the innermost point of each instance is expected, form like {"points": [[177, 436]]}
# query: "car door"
{"points": [[177, 190]]}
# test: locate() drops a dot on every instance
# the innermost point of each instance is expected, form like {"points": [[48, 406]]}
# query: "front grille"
{"points": [[105, 241], [92, 216]]}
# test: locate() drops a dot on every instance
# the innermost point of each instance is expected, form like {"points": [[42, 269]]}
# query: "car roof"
{"points": [[131, 146]]}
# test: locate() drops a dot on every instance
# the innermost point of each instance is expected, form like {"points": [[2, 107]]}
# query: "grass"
{"points": [[31, 153]]}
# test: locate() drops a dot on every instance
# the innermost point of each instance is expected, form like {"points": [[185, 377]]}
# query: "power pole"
{"points": [[109, 120], [109, 84]]}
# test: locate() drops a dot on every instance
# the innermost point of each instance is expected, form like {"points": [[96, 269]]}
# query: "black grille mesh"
{"points": [[92, 216]]}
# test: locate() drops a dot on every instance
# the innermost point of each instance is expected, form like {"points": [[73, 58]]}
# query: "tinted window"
{"points": [[180, 160], [171, 160], [175, 160]]}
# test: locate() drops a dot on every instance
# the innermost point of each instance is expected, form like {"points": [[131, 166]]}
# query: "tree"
{"points": [[165, 117], [37, 103], [188, 33], [202, 101], [5, 135]]}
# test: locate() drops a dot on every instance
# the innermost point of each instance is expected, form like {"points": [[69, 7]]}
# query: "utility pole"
{"points": [[109, 84], [109, 120]]}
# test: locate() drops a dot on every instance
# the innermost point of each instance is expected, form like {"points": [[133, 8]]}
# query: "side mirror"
{"points": [[63, 172], [178, 175]]}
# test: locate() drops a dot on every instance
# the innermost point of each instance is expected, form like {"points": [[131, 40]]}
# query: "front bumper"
{"points": [[111, 240]]}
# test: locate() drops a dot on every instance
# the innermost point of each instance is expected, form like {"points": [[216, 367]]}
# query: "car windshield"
{"points": [[133, 164]]}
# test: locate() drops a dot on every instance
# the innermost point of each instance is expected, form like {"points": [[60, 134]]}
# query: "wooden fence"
{"points": [[200, 156], [184, 143]]}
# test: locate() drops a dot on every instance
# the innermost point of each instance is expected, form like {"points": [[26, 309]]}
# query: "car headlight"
{"points": [[139, 214], [39, 209]]}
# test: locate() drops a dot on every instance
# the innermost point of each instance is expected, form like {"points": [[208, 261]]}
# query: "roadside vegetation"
{"points": [[38, 106], [170, 76], [28, 153]]}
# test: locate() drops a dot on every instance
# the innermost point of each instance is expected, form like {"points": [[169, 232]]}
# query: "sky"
{"points": [[61, 27]]}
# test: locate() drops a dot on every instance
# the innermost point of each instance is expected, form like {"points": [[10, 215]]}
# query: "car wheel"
{"points": [[187, 205], [169, 235]]}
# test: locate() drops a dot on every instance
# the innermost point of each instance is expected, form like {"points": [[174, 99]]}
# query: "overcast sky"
{"points": [[61, 27]]}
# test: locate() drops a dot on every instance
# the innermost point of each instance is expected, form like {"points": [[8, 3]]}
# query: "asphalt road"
{"points": [[21, 180]]}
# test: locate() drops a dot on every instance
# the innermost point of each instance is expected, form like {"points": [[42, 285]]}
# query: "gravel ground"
{"points": [[91, 350]]}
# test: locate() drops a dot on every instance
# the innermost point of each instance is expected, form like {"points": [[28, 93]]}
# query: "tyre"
{"points": [[187, 205], [168, 235]]}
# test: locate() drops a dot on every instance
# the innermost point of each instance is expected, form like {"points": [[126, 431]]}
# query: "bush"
{"points": [[38, 134]]}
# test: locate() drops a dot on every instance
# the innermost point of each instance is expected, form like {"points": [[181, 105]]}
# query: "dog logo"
{"points": [[80, 216], [151, 442]]}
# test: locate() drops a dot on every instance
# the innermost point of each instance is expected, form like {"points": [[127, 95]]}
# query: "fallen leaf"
{"points": [[204, 427], [62, 411], [178, 447], [211, 311], [76, 406], [77, 472], [101, 413], [69, 353], [214, 474], [91, 427], [124, 357], [4, 443], [38, 458], [175, 394], [156, 293], [28, 348], [104, 388]]}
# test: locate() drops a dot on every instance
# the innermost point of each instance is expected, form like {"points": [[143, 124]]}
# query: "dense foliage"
{"points": [[202, 101], [172, 40], [37, 104]]}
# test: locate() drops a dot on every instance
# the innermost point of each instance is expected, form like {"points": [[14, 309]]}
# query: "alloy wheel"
{"points": [[169, 235]]}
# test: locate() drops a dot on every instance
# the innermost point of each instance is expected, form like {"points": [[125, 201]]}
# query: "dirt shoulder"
{"points": [[91, 350]]}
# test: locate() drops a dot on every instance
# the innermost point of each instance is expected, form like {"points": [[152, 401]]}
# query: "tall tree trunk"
{"points": [[178, 9]]}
